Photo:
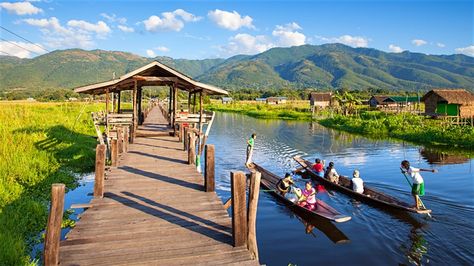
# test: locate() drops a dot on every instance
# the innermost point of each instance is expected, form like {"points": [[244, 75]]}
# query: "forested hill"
{"points": [[308, 66]]}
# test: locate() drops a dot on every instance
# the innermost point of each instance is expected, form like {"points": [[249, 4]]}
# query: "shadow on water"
{"points": [[178, 217], [75, 154]]}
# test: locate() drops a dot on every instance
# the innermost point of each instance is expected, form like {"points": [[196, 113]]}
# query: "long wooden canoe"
{"points": [[269, 181], [369, 196]]}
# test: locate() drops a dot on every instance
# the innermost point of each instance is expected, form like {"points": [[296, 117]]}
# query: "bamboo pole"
{"points": [[53, 228], [254, 190], [192, 148], [209, 172], [119, 93], [186, 139], [114, 153], [99, 170], [125, 139], [120, 140], [239, 209]]}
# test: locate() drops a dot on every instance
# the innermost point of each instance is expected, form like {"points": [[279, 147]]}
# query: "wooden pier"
{"points": [[154, 211]]}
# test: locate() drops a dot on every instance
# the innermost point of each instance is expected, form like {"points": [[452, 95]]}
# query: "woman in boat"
{"points": [[418, 185], [309, 197], [318, 167], [250, 144], [357, 182], [284, 184], [331, 173]]}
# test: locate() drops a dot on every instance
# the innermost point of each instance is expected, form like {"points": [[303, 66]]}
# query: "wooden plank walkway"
{"points": [[154, 212]]}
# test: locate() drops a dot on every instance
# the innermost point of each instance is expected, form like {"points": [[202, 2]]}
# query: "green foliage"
{"points": [[289, 111], [42, 144]]}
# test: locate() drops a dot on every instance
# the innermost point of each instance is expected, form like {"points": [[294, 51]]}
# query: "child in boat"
{"points": [[318, 167], [250, 144], [331, 173], [309, 197], [284, 184], [357, 182], [418, 185]]}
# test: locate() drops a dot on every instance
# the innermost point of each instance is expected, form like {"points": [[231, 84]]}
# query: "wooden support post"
{"points": [[106, 101], [53, 228], [194, 102], [192, 148], [175, 106], [135, 122], [120, 140], [125, 139], [189, 102], [209, 172], [99, 170], [201, 113], [254, 191], [239, 209], [139, 103], [169, 106], [186, 139], [114, 152], [119, 93]]}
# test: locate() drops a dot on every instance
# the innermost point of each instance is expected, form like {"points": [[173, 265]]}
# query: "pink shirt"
{"points": [[310, 199]]}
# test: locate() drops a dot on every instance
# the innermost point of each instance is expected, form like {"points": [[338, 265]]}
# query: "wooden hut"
{"points": [[377, 101], [449, 102], [320, 99], [226, 100], [276, 100]]}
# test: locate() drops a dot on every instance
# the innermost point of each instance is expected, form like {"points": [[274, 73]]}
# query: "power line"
{"points": [[24, 38], [19, 46]]}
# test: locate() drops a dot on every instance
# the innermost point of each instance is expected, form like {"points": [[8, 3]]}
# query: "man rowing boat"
{"points": [[250, 144], [418, 185]]}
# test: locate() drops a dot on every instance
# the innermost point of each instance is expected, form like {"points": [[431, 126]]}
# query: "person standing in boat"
{"points": [[250, 144], [418, 185], [331, 173], [357, 182], [318, 167]]}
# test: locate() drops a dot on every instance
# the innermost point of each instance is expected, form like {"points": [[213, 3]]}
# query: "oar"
{"points": [[409, 183]]}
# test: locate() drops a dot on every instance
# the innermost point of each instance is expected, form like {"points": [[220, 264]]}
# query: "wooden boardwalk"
{"points": [[154, 212]]}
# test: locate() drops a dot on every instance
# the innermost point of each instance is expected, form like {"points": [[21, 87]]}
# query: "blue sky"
{"points": [[209, 29]]}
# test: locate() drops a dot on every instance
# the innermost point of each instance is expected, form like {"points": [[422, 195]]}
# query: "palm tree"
{"points": [[347, 102]]}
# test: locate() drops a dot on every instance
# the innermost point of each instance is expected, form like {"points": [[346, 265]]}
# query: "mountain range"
{"points": [[326, 66]]}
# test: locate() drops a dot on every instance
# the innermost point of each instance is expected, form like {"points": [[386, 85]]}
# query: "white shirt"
{"points": [[415, 175], [358, 185]]}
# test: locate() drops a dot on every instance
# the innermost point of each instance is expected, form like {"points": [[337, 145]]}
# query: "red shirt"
{"points": [[318, 167]]}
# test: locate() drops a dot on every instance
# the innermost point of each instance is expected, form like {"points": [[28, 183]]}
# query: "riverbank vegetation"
{"points": [[41, 144], [376, 124]]}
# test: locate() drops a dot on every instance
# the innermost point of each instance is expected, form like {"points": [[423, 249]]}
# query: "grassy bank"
{"points": [[41, 144], [375, 124]]}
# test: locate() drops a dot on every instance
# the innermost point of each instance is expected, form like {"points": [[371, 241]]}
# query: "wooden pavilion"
{"points": [[153, 74]]}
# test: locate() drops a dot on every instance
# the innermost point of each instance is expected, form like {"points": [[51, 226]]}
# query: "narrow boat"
{"points": [[370, 195], [269, 181]]}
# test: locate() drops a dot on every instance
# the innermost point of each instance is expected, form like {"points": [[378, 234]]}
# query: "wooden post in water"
{"points": [[125, 139], [186, 139], [120, 140], [209, 183], [114, 152], [99, 170], [254, 190], [239, 208], [192, 148], [53, 228]]}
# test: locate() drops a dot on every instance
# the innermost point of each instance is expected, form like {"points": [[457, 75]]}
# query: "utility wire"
{"points": [[19, 46], [24, 38]]}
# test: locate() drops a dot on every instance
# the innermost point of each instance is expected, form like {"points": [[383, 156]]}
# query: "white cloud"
{"points": [[20, 8], [469, 50], [125, 28], [418, 42], [150, 53], [162, 49], [230, 20], [354, 41], [288, 35], [244, 43], [395, 49], [20, 49], [441, 45], [170, 21], [113, 18], [78, 33], [100, 28]]}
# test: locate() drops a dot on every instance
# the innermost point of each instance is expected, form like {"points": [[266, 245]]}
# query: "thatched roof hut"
{"points": [[449, 102], [320, 99]]}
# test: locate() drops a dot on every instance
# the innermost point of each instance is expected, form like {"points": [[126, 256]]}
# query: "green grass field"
{"points": [[42, 143]]}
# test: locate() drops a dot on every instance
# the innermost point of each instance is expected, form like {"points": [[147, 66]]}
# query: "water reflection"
{"points": [[417, 248], [434, 156]]}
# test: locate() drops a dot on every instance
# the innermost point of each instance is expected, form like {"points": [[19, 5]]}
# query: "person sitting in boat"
{"points": [[309, 197], [418, 185], [318, 167], [331, 173], [357, 182], [284, 184]]}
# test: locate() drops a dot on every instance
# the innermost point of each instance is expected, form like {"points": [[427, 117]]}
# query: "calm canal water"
{"points": [[373, 236]]}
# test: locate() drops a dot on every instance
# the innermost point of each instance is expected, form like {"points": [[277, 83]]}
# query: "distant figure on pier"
{"points": [[357, 182], [250, 144], [331, 173], [318, 167]]}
